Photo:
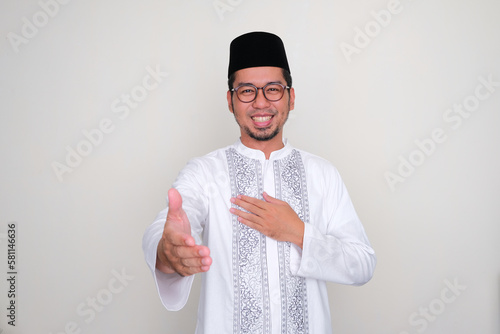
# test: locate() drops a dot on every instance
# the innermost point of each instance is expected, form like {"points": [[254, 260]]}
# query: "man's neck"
{"points": [[266, 146]]}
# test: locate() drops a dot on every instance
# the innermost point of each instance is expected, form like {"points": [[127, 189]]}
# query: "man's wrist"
{"points": [[299, 236]]}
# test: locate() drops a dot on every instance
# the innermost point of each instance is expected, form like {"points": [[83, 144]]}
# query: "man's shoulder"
{"points": [[312, 159], [319, 168], [211, 156], [217, 153]]}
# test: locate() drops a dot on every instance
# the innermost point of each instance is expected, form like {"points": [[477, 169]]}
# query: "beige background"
{"points": [[65, 70]]}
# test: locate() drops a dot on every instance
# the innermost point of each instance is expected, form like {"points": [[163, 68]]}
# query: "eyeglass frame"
{"points": [[263, 91]]}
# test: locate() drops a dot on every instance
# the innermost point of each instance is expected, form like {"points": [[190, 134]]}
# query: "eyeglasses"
{"points": [[248, 93]]}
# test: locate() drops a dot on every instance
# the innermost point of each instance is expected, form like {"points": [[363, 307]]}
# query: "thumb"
{"points": [[174, 201], [176, 214]]}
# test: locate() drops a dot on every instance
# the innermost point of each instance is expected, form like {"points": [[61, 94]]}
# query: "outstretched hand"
{"points": [[177, 251], [271, 217]]}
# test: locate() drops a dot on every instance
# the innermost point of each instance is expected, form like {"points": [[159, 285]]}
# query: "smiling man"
{"points": [[261, 116], [264, 223]]}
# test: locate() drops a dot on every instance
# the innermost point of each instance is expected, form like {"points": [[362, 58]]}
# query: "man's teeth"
{"points": [[261, 118]]}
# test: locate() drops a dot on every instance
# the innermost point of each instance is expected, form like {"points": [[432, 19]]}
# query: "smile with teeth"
{"points": [[261, 119]]}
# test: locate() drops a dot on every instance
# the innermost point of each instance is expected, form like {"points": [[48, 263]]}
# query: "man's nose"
{"points": [[260, 100]]}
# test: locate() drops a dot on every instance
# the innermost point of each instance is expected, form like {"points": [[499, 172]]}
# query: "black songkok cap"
{"points": [[256, 49]]}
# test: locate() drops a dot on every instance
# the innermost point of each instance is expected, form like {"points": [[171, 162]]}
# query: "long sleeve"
{"points": [[174, 289], [337, 249]]}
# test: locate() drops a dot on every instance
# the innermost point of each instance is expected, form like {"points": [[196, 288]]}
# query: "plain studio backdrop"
{"points": [[103, 102]]}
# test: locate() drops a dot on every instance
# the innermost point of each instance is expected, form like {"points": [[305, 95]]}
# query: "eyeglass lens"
{"points": [[272, 92]]}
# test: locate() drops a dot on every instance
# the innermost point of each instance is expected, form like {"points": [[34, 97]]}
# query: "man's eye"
{"points": [[273, 90], [247, 91]]}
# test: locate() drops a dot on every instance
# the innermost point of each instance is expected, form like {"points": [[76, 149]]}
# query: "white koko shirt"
{"points": [[257, 284]]}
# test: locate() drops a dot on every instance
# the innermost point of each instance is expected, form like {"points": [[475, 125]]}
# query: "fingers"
{"points": [[255, 213], [247, 199], [251, 204], [189, 252], [257, 202], [191, 260], [191, 256], [246, 218], [182, 259]]}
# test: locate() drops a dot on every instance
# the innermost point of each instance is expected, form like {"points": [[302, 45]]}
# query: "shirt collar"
{"points": [[259, 155]]}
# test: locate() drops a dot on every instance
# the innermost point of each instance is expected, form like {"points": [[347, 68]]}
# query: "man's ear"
{"points": [[230, 101], [292, 98]]}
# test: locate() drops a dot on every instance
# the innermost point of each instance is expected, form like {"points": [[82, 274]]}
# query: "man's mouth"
{"points": [[261, 119]]}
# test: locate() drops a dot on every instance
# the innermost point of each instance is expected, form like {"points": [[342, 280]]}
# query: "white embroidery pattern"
{"points": [[290, 183], [250, 281]]}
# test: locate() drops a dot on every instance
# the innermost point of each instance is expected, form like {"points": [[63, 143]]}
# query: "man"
{"points": [[264, 223]]}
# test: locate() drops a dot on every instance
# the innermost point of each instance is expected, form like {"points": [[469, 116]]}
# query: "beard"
{"points": [[262, 135]]}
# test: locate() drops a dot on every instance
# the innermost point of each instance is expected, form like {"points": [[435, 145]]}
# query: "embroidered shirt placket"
{"points": [[291, 187], [251, 282], [251, 293]]}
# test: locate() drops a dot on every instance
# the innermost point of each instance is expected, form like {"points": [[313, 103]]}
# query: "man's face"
{"points": [[261, 119]]}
